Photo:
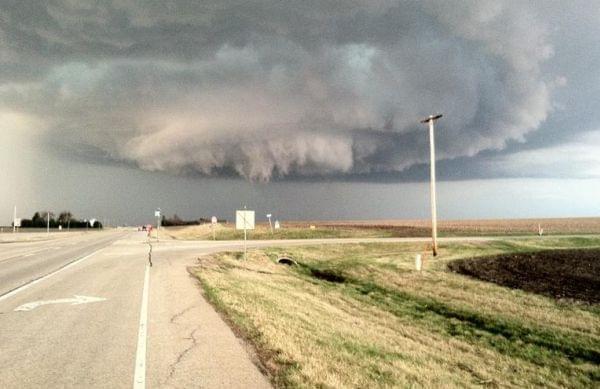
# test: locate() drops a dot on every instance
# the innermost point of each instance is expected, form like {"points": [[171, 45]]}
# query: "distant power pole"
{"points": [[15, 220], [48, 222], [431, 119]]}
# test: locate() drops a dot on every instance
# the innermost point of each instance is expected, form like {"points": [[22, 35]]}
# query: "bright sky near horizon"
{"points": [[305, 109]]}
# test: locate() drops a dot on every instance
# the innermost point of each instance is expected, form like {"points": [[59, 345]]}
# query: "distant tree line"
{"points": [[177, 221], [64, 219]]}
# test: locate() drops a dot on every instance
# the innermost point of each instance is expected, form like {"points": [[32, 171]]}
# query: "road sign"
{"points": [[213, 226], [92, 222], [277, 225], [156, 213], [244, 220], [17, 222]]}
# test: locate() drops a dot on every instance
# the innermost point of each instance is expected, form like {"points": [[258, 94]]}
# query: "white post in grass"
{"points": [[418, 262]]}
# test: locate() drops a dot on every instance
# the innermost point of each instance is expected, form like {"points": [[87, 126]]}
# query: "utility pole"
{"points": [[431, 119], [245, 235], [48, 222], [15, 220]]}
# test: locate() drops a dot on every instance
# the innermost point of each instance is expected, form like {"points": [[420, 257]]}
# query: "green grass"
{"points": [[358, 315]]}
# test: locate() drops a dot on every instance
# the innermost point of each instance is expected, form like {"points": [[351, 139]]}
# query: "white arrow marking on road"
{"points": [[73, 301]]}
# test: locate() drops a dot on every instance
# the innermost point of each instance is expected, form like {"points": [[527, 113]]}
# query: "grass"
{"points": [[358, 315], [263, 232]]}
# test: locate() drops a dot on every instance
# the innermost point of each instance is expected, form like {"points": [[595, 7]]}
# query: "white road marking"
{"points": [[139, 378], [76, 300], [33, 282], [21, 255]]}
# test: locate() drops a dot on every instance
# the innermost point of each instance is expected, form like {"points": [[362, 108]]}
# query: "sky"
{"points": [[308, 110]]}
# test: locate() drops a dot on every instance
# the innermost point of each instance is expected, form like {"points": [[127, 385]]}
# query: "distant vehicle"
{"points": [[143, 228]]}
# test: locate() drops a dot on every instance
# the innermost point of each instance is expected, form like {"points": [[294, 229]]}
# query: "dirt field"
{"points": [[390, 228], [571, 274], [587, 225]]}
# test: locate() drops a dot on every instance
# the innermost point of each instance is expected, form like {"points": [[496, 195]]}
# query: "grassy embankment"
{"points": [[359, 316]]}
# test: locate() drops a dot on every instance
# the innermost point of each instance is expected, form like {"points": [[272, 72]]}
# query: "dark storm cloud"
{"points": [[269, 89]]}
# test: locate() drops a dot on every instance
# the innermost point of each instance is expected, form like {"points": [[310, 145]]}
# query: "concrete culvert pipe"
{"points": [[286, 261]]}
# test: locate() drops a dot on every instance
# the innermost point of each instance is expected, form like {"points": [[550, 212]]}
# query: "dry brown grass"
{"points": [[587, 225], [386, 325], [262, 231], [390, 228]]}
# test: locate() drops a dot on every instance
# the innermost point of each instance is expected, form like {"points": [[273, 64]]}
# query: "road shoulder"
{"points": [[189, 344]]}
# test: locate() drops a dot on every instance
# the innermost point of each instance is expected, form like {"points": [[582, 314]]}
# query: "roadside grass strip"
{"points": [[358, 315]]}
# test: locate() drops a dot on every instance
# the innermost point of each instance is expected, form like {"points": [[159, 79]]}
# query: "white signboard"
{"points": [[277, 225], [213, 220], [17, 222], [92, 222], [244, 220], [156, 213]]}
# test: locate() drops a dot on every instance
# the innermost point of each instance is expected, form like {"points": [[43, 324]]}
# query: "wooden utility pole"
{"points": [[431, 119]]}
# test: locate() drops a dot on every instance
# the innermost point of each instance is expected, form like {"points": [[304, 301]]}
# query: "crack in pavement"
{"points": [[181, 313], [182, 354], [150, 253]]}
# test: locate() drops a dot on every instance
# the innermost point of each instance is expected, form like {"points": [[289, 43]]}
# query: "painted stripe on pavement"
{"points": [[42, 278], [139, 378]]}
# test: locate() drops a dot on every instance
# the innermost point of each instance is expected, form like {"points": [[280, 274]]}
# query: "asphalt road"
{"points": [[85, 310]]}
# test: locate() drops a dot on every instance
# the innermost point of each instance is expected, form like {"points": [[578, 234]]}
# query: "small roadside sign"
{"points": [[270, 223], [244, 220], [213, 226], [17, 222]]}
